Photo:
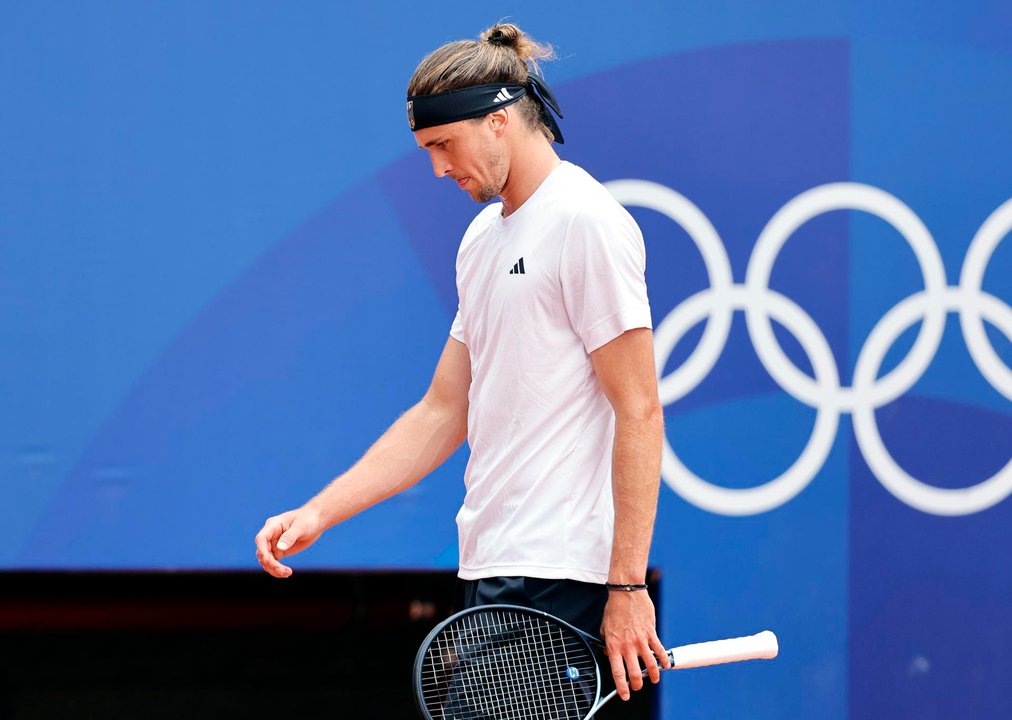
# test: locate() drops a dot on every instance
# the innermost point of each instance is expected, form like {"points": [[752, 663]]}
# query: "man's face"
{"points": [[472, 152]]}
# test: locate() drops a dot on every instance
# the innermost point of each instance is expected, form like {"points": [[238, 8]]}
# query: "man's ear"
{"points": [[499, 121]]}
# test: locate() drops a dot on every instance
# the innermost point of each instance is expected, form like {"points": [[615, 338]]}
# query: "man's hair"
{"points": [[504, 54]]}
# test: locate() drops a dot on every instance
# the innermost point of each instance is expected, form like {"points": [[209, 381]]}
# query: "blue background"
{"points": [[225, 269]]}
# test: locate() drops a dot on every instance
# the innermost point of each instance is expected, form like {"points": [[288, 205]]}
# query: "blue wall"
{"points": [[225, 269]]}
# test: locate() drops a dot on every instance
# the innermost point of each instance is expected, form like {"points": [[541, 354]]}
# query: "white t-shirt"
{"points": [[538, 291]]}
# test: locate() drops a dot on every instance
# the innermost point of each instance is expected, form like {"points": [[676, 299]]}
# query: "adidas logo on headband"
{"points": [[502, 96]]}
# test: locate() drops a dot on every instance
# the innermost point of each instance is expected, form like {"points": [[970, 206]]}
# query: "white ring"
{"points": [[971, 280], [806, 206], [916, 494], [776, 492]]}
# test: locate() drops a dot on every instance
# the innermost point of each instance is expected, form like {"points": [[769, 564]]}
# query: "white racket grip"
{"points": [[762, 646]]}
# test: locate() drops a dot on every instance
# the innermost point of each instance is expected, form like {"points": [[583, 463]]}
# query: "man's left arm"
{"points": [[625, 368]]}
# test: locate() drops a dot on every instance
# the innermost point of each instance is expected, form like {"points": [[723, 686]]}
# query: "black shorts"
{"points": [[580, 604]]}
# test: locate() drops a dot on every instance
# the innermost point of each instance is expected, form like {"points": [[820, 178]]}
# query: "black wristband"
{"points": [[626, 588]]}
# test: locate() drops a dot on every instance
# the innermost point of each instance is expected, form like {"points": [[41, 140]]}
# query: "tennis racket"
{"points": [[501, 661]]}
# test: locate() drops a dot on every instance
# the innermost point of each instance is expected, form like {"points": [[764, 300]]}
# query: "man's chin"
{"points": [[480, 194], [483, 195]]}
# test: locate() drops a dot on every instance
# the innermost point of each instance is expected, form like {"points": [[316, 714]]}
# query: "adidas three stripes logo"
{"points": [[518, 269], [502, 96]]}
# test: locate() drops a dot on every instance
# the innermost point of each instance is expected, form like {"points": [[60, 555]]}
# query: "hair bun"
{"points": [[503, 35], [508, 35]]}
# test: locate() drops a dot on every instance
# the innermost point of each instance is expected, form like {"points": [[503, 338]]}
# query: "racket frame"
{"points": [[589, 640]]}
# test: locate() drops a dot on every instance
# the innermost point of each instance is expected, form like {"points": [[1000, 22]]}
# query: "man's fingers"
{"points": [[266, 536], [661, 652], [635, 674], [289, 537], [650, 662], [265, 552], [275, 568], [618, 675], [272, 566]]}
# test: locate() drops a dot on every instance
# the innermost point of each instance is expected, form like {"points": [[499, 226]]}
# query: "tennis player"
{"points": [[548, 371]]}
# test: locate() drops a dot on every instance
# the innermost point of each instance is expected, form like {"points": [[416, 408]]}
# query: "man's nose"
{"points": [[440, 166]]}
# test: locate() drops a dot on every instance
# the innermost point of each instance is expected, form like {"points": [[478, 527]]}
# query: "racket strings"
{"points": [[504, 666]]}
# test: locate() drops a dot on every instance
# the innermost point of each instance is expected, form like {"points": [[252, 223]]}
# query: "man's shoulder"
{"points": [[484, 218], [581, 195], [480, 223], [594, 219]]}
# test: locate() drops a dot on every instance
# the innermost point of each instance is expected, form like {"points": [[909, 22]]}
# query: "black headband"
{"points": [[426, 111]]}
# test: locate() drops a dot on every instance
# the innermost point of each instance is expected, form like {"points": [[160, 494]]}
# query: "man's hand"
{"points": [[629, 630], [287, 534]]}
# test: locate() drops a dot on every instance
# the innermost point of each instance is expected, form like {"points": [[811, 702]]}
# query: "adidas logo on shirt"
{"points": [[518, 269], [502, 96]]}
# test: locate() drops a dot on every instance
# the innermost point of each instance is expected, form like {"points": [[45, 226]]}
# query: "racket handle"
{"points": [[762, 646]]}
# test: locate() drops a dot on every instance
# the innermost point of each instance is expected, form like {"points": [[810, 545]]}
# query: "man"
{"points": [[548, 371]]}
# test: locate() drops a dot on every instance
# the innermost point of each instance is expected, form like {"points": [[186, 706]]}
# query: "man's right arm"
{"points": [[415, 445]]}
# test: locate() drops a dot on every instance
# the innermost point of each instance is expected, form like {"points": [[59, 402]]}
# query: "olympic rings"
{"points": [[825, 393], [916, 494]]}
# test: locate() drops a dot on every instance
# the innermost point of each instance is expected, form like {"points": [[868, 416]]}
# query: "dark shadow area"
{"points": [[192, 645]]}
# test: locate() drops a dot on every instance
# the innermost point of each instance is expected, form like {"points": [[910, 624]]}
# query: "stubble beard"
{"points": [[497, 165], [486, 193]]}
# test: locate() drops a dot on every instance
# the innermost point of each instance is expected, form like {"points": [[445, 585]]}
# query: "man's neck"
{"points": [[530, 164]]}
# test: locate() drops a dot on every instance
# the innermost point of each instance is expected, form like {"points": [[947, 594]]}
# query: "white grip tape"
{"points": [[762, 646]]}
